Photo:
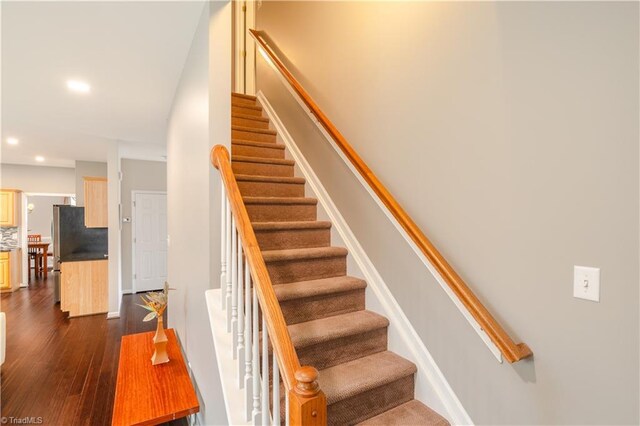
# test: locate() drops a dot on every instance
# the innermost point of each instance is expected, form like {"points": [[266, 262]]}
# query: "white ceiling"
{"points": [[131, 53]]}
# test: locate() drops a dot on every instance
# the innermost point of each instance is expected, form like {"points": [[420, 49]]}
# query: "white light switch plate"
{"points": [[586, 283]]}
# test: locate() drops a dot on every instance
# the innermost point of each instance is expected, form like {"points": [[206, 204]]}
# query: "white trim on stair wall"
{"points": [[432, 387]]}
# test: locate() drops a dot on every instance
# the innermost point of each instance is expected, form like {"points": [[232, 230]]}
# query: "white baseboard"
{"points": [[432, 387], [113, 315], [127, 292]]}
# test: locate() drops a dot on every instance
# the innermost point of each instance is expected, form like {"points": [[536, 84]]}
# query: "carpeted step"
{"points": [[363, 388], [310, 300], [253, 134], [257, 149], [285, 209], [290, 235], [288, 266], [238, 108], [413, 412], [270, 186], [259, 166], [334, 340], [241, 98], [249, 121]]}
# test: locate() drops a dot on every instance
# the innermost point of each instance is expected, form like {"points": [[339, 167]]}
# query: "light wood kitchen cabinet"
{"points": [[84, 287], [5, 271], [9, 216], [95, 202], [10, 272]]}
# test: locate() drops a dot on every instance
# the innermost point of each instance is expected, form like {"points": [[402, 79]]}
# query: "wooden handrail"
{"points": [[307, 402], [510, 350]]}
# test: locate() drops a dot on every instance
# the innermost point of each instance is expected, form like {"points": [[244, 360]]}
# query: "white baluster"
{"points": [[223, 241], [255, 361], [247, 348], [276, 391], [227, 250], [234, 290], [265, 372], [286, 407], [240, 351]]}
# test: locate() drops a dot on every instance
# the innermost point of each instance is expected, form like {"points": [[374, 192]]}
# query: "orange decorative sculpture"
{"points": [[156, 303]]}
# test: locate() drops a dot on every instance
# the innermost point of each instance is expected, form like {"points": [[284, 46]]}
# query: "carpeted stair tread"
{"points": [[271, 179], [303, 254], [363, 374], [335, 327], [277, 226], [321, 287], [411, 413], [249, 117], [280, 161], [247, 106], [269, 145], [244, 96], [280, 200], [254, 130]]}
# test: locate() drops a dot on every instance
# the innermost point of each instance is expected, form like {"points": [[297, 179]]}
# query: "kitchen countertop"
{"points": [[80, 257], [8, 249]]}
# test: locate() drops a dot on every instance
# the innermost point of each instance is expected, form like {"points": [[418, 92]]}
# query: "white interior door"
{"points": [[149, 241]]}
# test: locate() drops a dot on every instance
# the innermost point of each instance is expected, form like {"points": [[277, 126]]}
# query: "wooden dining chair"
{"points": [[34, 254]]}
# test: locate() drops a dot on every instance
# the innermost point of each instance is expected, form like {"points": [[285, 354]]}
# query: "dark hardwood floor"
{"points": [[59, 369]]}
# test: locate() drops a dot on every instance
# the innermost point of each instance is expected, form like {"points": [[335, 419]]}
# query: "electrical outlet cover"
{"points": [[586, 283]]}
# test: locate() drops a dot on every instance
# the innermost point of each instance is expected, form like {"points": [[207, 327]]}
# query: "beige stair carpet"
{"points": [[323, 306]]}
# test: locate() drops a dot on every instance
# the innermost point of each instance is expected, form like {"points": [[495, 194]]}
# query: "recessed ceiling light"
{"points": [[78, 86], [12, 141], [39, 158]]}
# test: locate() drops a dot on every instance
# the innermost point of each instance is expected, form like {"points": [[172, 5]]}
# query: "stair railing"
{"points": [[510, 350], [248, 298]]}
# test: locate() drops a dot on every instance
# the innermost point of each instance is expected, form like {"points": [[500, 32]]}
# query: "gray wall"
{"points": [[39, 179], [189, 199], [87, 168], [137, 175], [509, 131], [40, 218]]}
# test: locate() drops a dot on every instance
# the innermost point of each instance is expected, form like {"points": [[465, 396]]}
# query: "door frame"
{"points": [[135, 192], [244, 48]]}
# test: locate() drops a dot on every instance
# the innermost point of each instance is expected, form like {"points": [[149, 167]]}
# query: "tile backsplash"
{"points": [[9, 237]]}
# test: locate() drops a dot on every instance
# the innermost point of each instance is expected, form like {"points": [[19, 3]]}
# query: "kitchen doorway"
{"points": [[149, 240], [39, 219]]}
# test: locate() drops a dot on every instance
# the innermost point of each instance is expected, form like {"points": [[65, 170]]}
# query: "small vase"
{"points": [[160, 340]]}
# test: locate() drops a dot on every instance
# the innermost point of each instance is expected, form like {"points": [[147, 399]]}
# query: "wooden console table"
{"points": [[150, 394]]}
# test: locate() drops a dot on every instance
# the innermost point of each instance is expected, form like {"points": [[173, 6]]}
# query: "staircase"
{"points": [[324, 308]]}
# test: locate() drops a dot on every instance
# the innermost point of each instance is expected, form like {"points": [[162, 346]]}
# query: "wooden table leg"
{"points": [[44, 266], [38, 264]]}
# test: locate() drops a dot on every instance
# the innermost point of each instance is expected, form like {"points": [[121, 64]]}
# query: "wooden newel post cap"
{"points": [[218, 150], [307, 384]]}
